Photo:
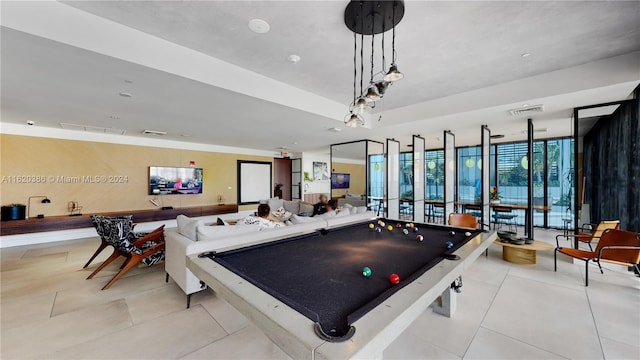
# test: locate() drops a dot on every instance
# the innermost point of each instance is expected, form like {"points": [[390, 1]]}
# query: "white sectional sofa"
{"points": [[194, 236]]}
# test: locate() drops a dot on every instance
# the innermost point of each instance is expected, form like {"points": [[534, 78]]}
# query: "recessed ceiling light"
{"points": [[334, 129], [126, 94], [525, 105], [128, 81], [293, 58], [114, 117], [525, 55], [259, 26], [31, 122], [185, 135], [295, 143]]}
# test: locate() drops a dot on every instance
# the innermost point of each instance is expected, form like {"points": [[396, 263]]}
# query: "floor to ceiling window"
{"points": [[552, 177], [560, 184], [469, 174], [376, 176], [434, 174]]}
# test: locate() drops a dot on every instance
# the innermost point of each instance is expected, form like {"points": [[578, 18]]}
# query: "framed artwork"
{"points": [[320, 171]]}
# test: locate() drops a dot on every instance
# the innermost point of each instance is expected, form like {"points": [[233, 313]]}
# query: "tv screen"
{"points": [[174, 180], [339, 181]]}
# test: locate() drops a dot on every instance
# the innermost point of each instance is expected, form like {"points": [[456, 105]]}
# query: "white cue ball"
{"points": [[467, 234]]}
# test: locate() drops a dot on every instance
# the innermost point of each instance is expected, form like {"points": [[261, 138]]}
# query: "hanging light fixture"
{"points": [[371, 18]]}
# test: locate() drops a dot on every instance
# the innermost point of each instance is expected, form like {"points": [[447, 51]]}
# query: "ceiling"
{"points": [[196, 71]]}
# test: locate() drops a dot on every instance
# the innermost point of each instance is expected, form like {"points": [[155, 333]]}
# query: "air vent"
{"points": [[93, 129], [526, 110], [154, 132], [497, 136]]}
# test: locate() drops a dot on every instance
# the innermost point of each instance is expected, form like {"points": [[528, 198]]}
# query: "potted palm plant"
{"points": [[494, 195]]}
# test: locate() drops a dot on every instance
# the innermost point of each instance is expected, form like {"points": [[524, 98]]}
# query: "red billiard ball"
{"points": [[420, 237], [394, 278], [399, 226]]}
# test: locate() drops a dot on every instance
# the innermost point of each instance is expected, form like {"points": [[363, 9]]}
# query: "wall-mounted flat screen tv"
{"points": [[164, 180], [340, 181]]}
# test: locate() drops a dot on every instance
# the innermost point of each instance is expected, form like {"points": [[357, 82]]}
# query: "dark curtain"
{"points": [[612, 167]]}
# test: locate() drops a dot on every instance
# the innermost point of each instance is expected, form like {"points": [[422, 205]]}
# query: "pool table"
{"points": [[309, 295]]}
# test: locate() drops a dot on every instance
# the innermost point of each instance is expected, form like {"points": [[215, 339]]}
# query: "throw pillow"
{"points": [[187, 227], [306, 208], [275, 203], [292, 206]]}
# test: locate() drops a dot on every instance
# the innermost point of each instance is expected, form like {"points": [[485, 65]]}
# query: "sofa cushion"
{"points": [[306, 209], [327, 215], [187, 227], [275, 203], [360, 210], [213, 233], [344, 212], [292, 206], [296, 219]]}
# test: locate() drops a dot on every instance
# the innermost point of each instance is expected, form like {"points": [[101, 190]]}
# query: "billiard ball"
{"points": [[366, 271], [420, 237], [411, 225], [452, 233], [449, 244], [405, 231], [467, 234], [394, 278], [381, 223], [399, 226], [407, 225], [378, 229], [390, 228], [371, 226], [415, 229]]}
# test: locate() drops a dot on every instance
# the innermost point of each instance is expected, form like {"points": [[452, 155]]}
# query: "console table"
{"points": [[53, 223]]}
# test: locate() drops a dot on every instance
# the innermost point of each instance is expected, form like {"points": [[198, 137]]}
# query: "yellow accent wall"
{"points": [[357, 181], [43, 165]]}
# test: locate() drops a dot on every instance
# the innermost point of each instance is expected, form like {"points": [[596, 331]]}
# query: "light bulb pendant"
{"points": [[372, 93], [393, 74], [354, 121], [361, 106]]}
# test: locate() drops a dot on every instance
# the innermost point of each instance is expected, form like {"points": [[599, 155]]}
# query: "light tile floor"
{"points": [[48, 310]]}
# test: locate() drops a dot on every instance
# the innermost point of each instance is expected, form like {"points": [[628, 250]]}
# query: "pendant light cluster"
{"points": [[371, 18]]}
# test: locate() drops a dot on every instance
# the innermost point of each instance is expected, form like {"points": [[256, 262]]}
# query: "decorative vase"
{"points": [[495, 201]]}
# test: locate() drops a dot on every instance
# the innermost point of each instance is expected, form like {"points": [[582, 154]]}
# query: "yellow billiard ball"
{"points": [[390, 227], [371, 226]]}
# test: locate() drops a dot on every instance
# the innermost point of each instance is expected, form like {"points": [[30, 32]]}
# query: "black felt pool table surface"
{"points": [[320, 275]]}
